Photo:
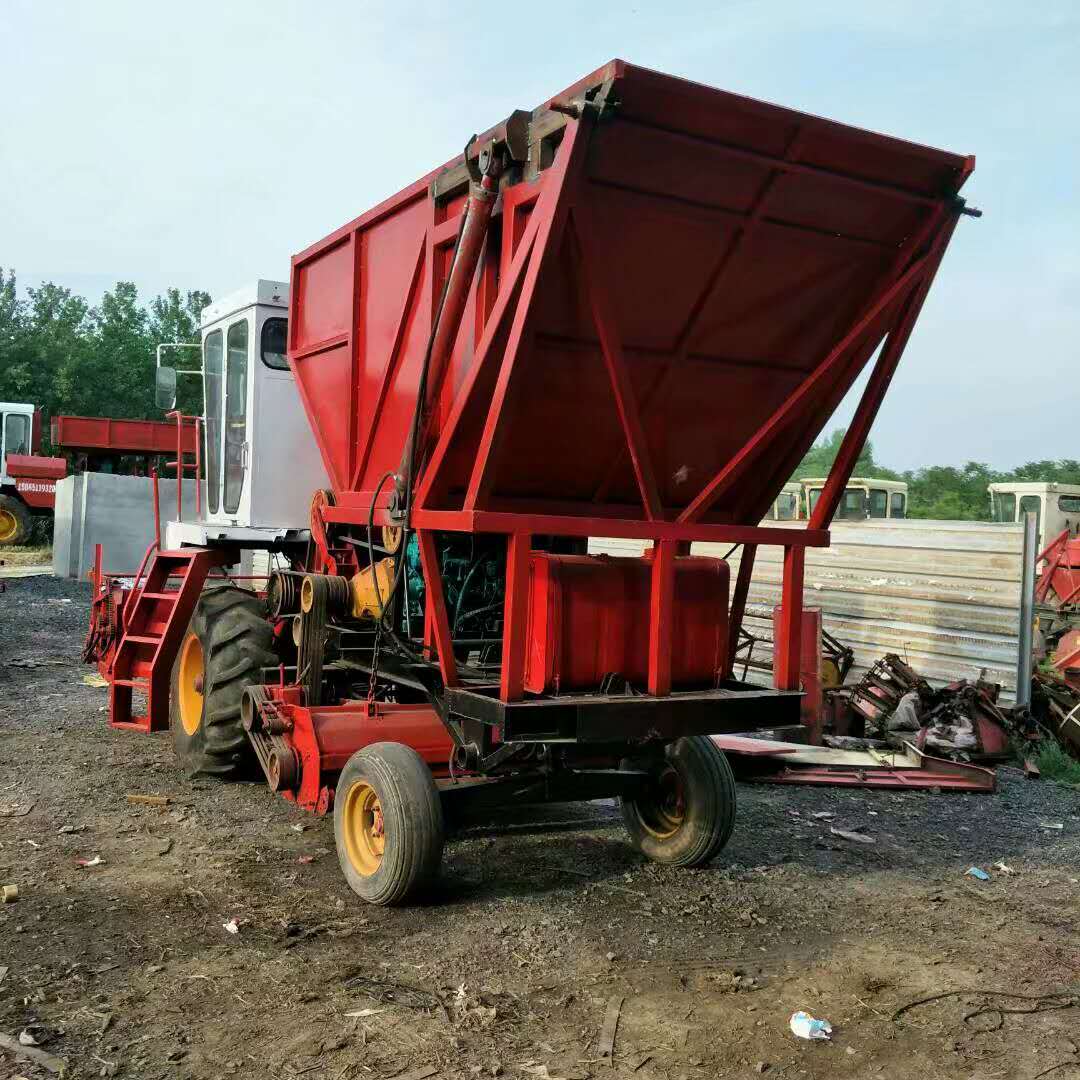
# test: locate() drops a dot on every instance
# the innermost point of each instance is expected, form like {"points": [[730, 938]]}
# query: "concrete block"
{"points": [[114, 511]]}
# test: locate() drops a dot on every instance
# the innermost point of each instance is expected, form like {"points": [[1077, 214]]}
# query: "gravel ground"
{"points": [[543, 921]]}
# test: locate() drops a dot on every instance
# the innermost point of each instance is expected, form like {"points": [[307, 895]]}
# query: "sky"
{"points": [[201, 145]]}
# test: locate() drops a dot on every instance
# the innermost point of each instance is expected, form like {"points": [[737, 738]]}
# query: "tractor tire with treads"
{"points": [[227, 645], [685, 814], [15, 522]]}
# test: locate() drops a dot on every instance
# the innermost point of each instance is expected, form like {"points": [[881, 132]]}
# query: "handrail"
{"points": [[179, 464]]}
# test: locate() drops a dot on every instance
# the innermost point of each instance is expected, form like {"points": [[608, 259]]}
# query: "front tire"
{"points": [[15, 522], [684, 814], [388, 824], [227, 645]]}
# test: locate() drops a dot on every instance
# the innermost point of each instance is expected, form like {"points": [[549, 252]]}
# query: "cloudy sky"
{"points": [[202, 144]]}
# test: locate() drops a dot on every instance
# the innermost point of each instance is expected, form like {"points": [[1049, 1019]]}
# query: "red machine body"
{"points": [[628, 313], [586, 615], [676, 288], [105, 435], [35, 478]]}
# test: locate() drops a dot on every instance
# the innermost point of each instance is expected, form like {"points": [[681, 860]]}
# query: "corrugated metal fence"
{"points": [[943, 594]]}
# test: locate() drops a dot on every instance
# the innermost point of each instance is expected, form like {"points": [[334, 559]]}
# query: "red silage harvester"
{"points": [[626, 313]]}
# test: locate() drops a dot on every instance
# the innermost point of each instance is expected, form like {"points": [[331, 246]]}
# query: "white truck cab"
{"points": [[260, 462], [16, 435], [1056, 506], [863, 499]]}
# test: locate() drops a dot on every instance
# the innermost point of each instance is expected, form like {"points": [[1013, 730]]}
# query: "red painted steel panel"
{"points": [[78, 433], [736, 245], [588, 614]]}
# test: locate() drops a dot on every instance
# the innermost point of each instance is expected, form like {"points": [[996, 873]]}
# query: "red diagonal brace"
{"points": [[551, 210], [391, 370], [859, 428], [798, 400], [622, 387]]}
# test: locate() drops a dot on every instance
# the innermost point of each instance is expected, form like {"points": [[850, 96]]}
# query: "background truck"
{"points": [[27, 479], [863, 499], [628, 312]]}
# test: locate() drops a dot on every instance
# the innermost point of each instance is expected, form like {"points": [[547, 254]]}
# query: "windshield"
{"points": [[235, 414], [785, 506], [1003, 506], [212, 368], [16, 434]]}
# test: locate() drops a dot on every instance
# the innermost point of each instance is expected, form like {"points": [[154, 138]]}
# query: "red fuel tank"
{"points": [[587, 614]]}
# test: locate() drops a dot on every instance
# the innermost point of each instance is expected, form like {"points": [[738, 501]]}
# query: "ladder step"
{"points": [[173, 596], [131, 682], [142, 639]]}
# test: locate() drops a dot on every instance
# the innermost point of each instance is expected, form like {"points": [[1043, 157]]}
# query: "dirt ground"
{"points": [[126, 968]]}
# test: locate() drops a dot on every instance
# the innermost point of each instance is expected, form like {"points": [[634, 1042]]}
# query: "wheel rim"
{"points": [[9, 526], [364, 828], [663, 808], [192, 671]]}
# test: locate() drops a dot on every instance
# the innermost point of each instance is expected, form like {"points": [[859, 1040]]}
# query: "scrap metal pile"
{"points": [[962, 721]]}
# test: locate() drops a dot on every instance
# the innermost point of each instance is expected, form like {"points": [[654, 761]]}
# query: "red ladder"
{"points": [[155, 619]]}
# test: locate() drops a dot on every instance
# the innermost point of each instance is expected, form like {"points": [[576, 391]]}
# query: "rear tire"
{"points": [[685, 814], [388, 824], [15, 522], [229, 643]]}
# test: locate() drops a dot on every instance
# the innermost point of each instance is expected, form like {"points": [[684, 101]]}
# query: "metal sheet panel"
{"points": [[945, 595]]}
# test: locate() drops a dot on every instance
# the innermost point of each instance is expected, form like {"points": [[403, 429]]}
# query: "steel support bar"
{"points": [[797, 401], [515, 618], [484, 521], [1027, 611], [787, 654], [436, 608], [859, 428], [661, 613], [738, 605]]}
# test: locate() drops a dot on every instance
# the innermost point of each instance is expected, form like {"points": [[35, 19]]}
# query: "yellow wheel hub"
{"points": [[664, 812], [9, 526], [192, 671], [365, 831]]}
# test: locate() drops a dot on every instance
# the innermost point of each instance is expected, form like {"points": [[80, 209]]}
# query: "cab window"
{"points": [[236, 355], [879, 503], [853, 505], [272, 344], [16, 434], [1003, 505], [1032, 504], [812, 497], [898, 504], [785, 506], [1069, 504], [213, 355]]}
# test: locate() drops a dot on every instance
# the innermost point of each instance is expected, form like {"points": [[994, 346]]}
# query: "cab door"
{"points": [[225, 386]]}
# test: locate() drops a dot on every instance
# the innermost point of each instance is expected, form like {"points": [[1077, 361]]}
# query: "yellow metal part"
{"points": [[364, 831], [391, 537], [365, 598], [9, 525], [192, 672]]}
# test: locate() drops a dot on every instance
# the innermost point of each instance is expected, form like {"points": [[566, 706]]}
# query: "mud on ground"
{"points": [[127, 968]]}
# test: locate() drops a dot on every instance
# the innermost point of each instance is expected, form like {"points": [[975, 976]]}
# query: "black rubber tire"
{"points": [[708, 787], [23, 521], [236, 638], [412, 819]]}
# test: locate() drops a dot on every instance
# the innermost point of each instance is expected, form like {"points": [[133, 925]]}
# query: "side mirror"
{"points": [[165, 388]]}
